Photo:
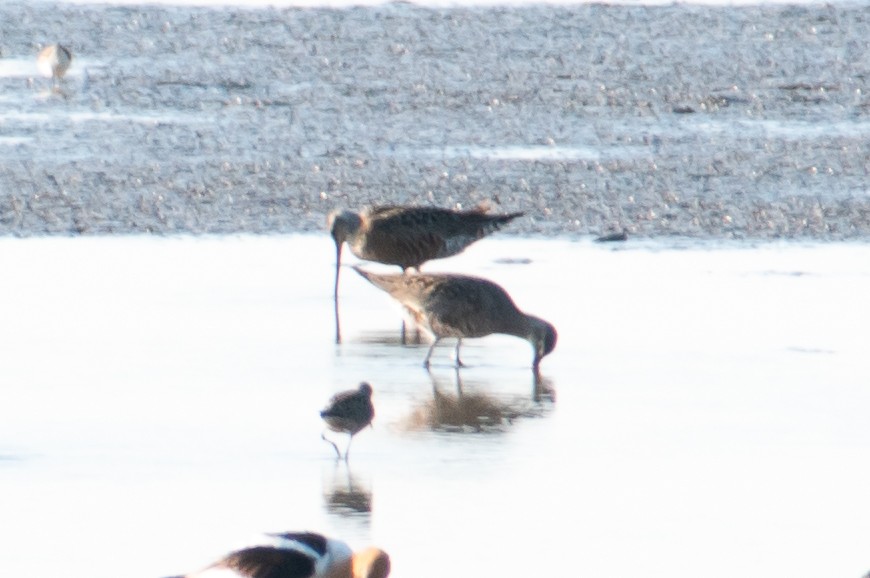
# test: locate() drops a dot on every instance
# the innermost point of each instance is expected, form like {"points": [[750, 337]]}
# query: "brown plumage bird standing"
{"points": [[460, 306], [407, 236], [349, 412], [53, 61]]}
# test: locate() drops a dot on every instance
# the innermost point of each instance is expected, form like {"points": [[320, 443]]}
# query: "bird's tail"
{"points": [[484, 206], [507, 218], [492, 223]]}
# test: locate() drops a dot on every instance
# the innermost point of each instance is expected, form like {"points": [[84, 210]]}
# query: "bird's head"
{"points": [[342, 224], [543, 338], [371, 563]]}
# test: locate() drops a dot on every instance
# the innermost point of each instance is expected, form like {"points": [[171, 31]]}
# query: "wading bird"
{"points": [[459, 306], [349, 412], [299, 555], [53, 61], [408, 236]]}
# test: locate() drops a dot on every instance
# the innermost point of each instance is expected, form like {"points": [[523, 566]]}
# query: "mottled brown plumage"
{"points": [[349, 412], [460, 306], [408, 236], [53, 61]]}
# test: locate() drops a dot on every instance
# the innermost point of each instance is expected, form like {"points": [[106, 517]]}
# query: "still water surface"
{"points": [[704, 413]]}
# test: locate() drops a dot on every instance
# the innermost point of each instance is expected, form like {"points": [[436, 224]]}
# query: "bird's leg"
{"points": [[458, 360], [347, 449], [458, 382], [431, 349], [335, 447]]}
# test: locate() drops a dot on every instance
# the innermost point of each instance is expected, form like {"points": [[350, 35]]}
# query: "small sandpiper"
{"points": [[53, 61], [349, 412]]}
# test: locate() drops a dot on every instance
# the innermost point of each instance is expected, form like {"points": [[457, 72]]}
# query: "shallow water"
{"points": [[704, 412]]}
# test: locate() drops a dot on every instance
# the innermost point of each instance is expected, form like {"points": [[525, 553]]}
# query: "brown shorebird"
{"points": [[53, 61], [459, 306], [408, 236], [349, 412], [299, 555]]}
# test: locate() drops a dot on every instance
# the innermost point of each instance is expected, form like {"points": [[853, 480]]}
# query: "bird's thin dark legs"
{"points": [[431, 349], [347, 449], [335, 447], [458, 360]]}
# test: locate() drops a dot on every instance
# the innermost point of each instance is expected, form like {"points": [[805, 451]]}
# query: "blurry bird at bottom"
{"points": [[349, 412], [53, 61], [299, 555]]}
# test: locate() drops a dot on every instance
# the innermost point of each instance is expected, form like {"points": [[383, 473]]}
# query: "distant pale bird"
{"points": [[408, 236], [349, 412], [299, 555], [53, 61], [459, 306]]}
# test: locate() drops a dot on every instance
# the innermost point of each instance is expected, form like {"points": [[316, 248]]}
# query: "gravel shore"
{"points": [[711, 122]]}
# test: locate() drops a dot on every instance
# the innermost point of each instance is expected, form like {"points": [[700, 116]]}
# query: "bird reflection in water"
{"points": [[346, 496], [469, 410], [388, 338], [542, 388]]}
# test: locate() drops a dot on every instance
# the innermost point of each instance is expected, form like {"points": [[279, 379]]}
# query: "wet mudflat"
{"points": [[161, 401], [701, 121], [704, 412]]}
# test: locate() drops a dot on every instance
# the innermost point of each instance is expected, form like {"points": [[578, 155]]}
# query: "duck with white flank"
{"points": [[459, 306], [299, 555]]}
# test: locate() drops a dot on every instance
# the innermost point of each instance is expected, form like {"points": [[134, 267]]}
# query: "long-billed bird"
{"points": [[299, 555], [349, 412], [460, 306], [408, 236]]}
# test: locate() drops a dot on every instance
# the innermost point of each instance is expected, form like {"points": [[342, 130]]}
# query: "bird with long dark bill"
{"points": [[408, 236], [447, 305], [299, 555]]}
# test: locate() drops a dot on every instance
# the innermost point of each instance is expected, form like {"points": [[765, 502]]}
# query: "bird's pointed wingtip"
{"points": [[360, 270]]}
